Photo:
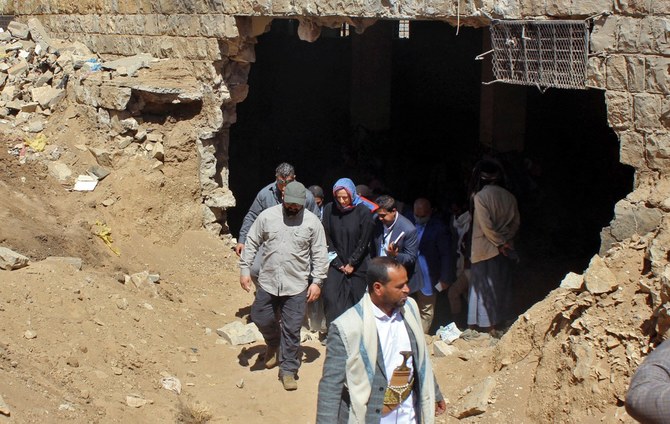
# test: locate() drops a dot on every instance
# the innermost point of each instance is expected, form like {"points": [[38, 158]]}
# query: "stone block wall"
{"points": [[630, 59]]}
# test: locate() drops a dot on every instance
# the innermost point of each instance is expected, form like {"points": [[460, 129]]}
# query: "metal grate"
{"points": [[540, 53]]}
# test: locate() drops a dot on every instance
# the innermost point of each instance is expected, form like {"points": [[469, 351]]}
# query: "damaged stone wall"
{"points": [[629, 59], [588, 341]]}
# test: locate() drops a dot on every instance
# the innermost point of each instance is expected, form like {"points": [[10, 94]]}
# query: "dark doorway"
{"points": [[322, 106]]}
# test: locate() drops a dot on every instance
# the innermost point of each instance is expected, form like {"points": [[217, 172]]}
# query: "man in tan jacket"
{"points": [[495, 223]]}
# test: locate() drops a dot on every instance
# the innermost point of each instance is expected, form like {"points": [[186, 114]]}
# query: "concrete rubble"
{"points": [[477, 400], [4, 408], [236, 333], [37, 72], [10, 260]]}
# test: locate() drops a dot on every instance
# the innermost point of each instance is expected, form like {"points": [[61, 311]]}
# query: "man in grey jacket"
{"points": [[648, 397], [269, 196], [377, 367], [294, 250]]}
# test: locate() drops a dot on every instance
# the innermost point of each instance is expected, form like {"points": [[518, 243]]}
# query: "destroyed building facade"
{"points": [[628, 58]]}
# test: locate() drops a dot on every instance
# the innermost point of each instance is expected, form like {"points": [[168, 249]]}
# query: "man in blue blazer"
{"points": [[395, 236], [435, 262], [376, 343]]}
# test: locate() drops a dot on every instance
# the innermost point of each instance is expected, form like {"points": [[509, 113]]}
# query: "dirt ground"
{"points": [[80, 345]]}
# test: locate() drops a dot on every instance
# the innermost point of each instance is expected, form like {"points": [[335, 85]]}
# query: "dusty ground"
{"points": [[98, 341]]}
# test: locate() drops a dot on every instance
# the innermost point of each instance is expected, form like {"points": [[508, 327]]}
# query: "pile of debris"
{"points": [[34, 72], [37, 73], [590, 335]]}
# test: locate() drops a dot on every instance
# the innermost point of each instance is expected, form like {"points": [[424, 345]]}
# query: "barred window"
{"points": [[540, 53], [344, 30], [403, 28]]}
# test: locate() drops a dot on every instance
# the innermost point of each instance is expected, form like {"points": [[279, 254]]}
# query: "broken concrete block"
{"points": [[121, 123], [123, 141], [158, 152], [35, 126], [28, 46], [99, 172], [9, 92], [145, 282], [13, 47], [15, 104], [114, 97], [634, 218], [60, 171], [103, 157], [43, 79], [10, 260], [18, 30], [4, 408], [598, 278], [442, 349], [477, 401], [19, 68], [135, 401], [131, 64], [155, 137], [103, 117], [75, 262], [29, 107], [37, 32], [237, 333], [5, 36], [46, 96], [573, 281], [141, 135]]}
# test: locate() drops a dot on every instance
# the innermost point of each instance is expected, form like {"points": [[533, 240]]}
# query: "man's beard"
{"points": [[290, 212]]}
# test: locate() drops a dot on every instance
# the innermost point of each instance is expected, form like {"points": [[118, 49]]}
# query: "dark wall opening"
{"points": [[311, 104]]}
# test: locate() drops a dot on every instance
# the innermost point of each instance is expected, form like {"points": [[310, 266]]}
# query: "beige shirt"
{"points": [[292, 245], [494, 223]]}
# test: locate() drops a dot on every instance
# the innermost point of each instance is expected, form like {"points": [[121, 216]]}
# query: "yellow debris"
{"points": [[105, 233], [37, 144]]}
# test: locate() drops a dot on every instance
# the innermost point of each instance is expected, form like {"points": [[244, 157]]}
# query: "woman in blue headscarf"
{"points": [[349, 225]]}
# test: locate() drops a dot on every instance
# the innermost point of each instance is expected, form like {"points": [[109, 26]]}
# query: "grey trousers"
{"points": [[291, 312]]}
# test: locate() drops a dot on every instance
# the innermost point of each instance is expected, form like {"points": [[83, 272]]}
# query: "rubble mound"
{"points": [[587, 340]]}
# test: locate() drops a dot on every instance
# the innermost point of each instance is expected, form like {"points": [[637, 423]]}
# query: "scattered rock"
{"points": [[122, 303], [135, 401], [171, 383], [73, 362], [30, 334], [129, 65], [599, 278], [10, 260], [4, 408], [442, 349], [18, 30], [75, 262], [60, 171], [98, 172], [573, 281], [47, 96], [237, 333], [477, 401], [103, 157]]}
